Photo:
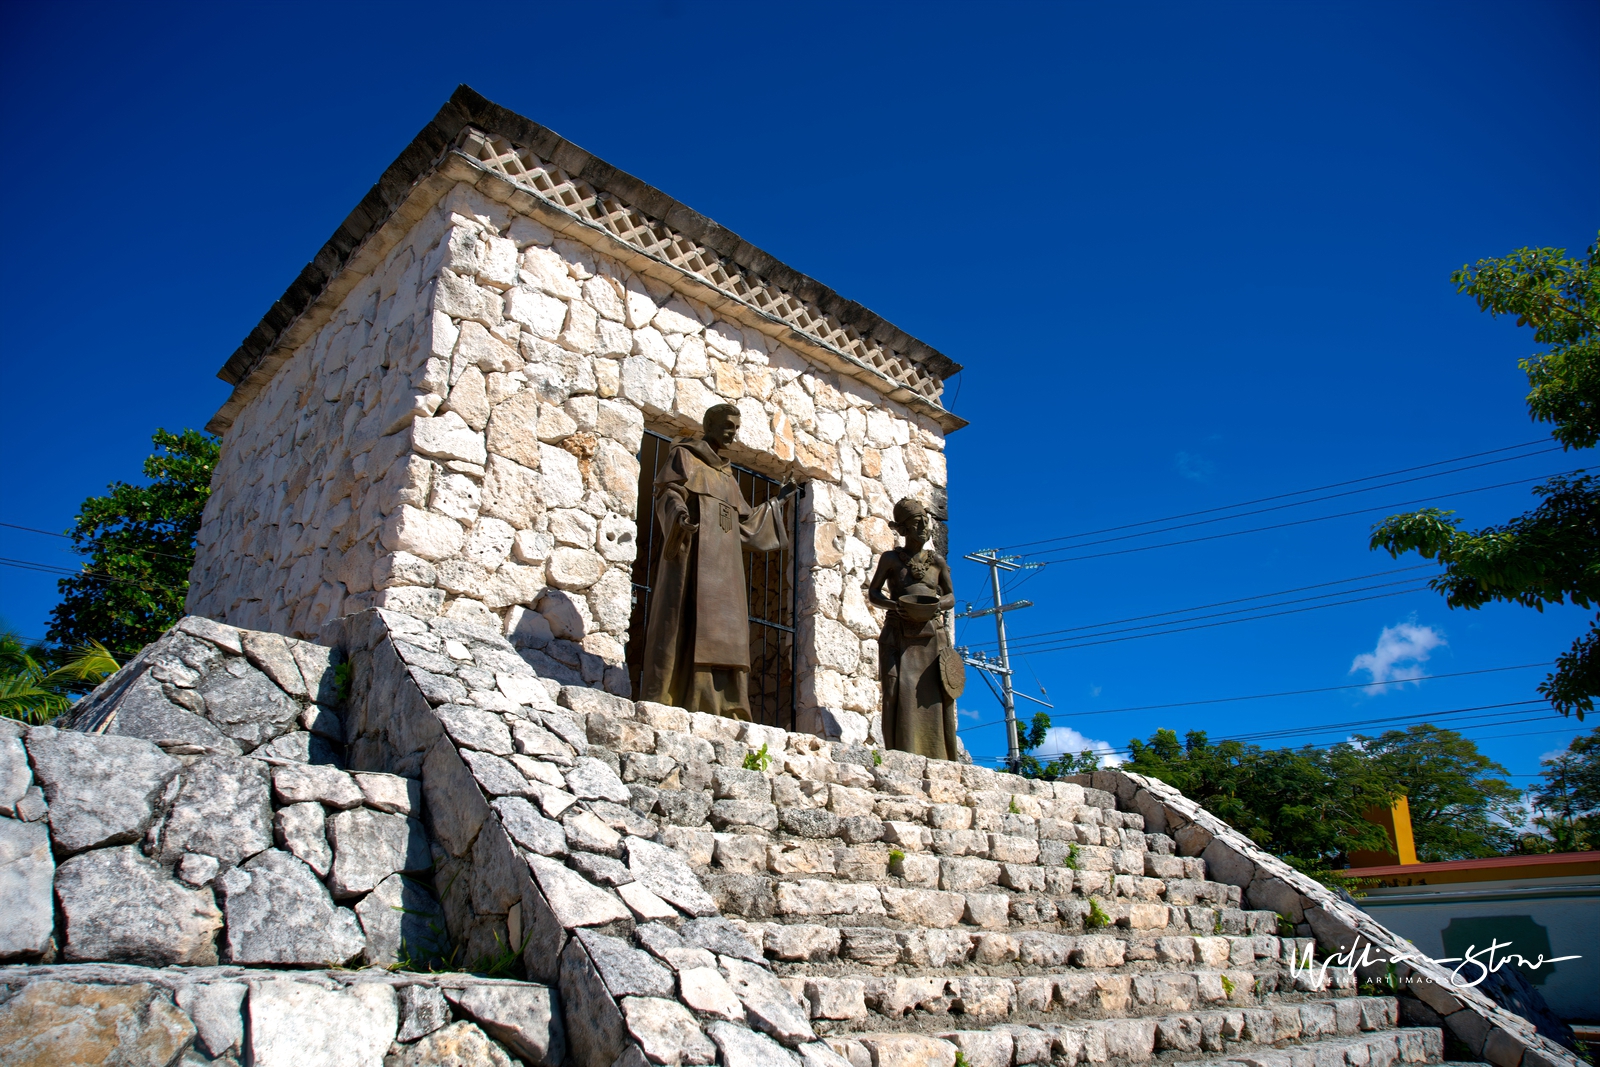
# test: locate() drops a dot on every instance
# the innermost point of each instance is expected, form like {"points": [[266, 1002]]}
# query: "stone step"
{"points": [[1081, 995], [922, 946], [1419, 1045], [1116, 1042], [971, 901]]}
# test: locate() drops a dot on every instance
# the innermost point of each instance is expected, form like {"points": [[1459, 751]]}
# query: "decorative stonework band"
{"points": [[526, 169]]}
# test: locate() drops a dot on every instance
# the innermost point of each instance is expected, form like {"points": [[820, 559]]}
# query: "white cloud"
{"points": [[1399, 654], [1194, 467], [1095, 690], [1064, 739]]}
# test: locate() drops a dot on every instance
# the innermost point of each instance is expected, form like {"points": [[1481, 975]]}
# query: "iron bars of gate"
{"points": [[770, 585]]}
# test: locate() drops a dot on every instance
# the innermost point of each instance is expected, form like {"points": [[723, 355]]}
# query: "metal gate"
{"points": [[770, 586]]}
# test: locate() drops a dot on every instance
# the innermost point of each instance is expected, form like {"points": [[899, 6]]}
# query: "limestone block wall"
{"points": [[459, 439]]}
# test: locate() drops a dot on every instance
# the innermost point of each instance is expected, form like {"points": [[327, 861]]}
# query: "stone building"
{"points": [[444, 415]]}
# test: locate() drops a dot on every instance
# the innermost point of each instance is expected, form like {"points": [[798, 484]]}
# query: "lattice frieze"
{"points": [[653, 237]]}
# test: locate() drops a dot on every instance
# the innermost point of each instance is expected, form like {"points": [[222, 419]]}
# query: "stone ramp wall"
{"points": [[150, 1017], [185, 815]]}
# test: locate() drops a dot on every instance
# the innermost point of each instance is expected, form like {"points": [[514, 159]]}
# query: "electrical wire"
{"points": [[1328, 744], [1298, 503], [50, 568], [119, 548], [1302, 522], [1085, 642], [1298, 492], [1282, 693], [1023, 640]]}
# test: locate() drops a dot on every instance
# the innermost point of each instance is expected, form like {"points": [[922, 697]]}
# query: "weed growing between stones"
{"points": [[1071, 862], [961, 1059], [1285, 925], [341, 682], [877, 758], [1386, 986], [499, 964], [1097, 918], [1216, 925], [1227, 986], [897, 855], [1013, 809], [758, 760]]}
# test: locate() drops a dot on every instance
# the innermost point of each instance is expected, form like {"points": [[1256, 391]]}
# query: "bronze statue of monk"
{"points": [[920, 673], [697, 636]]}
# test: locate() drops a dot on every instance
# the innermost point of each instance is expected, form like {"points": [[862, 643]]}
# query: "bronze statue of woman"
{"points": [[919, 710]]}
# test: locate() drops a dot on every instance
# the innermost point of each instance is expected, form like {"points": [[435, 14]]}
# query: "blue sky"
{"points": [[1190, 255]]}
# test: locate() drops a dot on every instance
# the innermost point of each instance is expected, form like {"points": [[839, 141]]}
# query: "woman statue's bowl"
{"points": [[919, 607]]}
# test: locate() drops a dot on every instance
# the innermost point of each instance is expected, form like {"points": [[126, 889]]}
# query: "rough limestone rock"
{"points": [[49, 1024], [223, 809], [270, 654], [750, 1049], [402, 921], [279, 913], [102, 790], [667, 1031], [596, 1029], [457, 1045], [299, 1023], [369, 846], [574, 900], [302, 829], [299, 783], [665, 873], [142, 710], [529, 829], [626, 971], [423, 1010], [245, 704], [769, 1005], [524, 1018], [391, 793], [592, 779], [119, 905], [217, 1009], [15, 774], [27, 873]]}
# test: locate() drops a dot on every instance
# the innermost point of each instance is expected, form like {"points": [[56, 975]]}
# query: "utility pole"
{"points": [[1001, 668]]}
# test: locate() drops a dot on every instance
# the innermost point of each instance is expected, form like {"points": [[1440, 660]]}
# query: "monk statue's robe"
{"points": [[697, 636]]}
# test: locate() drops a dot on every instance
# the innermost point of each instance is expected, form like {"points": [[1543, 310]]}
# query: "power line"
{"points": [[1301, 503], [1331, 744], [1298, 492], [1072, 643], [1240, 600], [50, 568], [88, 541], [1425, 720], [1287, 692], [1302, 522]]}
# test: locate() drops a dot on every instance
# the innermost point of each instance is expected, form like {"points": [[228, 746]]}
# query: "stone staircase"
{"points": [[675, 888], [909, 904]]}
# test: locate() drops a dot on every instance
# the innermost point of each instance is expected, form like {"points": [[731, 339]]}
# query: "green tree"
{"points": [[1461, 805], [34, 693], [1550, 555], [1304, 805], [1030, 739], [1568, 797], [140, 543]]}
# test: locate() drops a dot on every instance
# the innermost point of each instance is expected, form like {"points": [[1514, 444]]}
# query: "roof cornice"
{"points": [[541, 163]]}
